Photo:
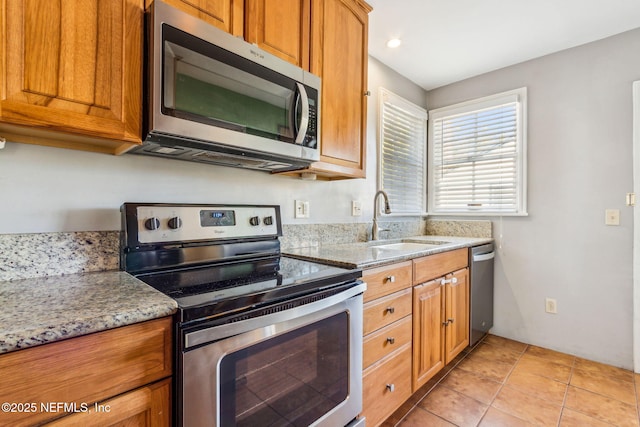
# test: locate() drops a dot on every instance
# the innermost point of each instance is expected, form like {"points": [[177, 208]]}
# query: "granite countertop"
{"points": [[366, 255], [46, 309]]}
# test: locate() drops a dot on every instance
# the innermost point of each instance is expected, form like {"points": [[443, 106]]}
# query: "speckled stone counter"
{"points": [[42, 310], [368, 254], [23, 256]]}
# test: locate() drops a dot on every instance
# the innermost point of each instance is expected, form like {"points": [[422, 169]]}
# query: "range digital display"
{"points": [[217, 218]]}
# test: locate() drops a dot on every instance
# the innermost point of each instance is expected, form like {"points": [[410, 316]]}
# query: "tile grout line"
{"points": [[504, 383], [574, 369], [438, 383], [566, 391], [606, 396]]}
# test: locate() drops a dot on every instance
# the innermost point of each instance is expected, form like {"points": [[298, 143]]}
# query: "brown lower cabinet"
{"points": [[416, 320], [115, 377], [441, 324], [387, 340], [145, 406], [387, 385]]}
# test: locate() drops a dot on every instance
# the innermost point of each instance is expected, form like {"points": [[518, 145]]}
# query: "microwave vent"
{"points": [[237, 161]]}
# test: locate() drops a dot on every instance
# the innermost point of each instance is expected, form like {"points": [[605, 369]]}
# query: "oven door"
{"points": [[301, 366]]}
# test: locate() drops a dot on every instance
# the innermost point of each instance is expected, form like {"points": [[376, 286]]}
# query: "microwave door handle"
{"points": [[304, 116]]}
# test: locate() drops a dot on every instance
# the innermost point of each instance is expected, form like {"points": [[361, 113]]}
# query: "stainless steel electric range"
{"points": [[261, 339]]}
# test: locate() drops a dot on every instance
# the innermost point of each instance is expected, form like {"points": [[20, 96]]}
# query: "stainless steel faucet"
{"points": [[375, 231]]}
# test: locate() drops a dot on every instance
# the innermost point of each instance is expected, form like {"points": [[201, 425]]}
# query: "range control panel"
{"points": [[160, 223]]}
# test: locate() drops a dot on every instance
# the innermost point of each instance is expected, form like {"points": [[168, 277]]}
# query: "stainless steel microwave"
{"points": [[217, 99]]}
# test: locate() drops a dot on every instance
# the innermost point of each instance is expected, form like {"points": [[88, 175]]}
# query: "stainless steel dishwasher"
{"points": [[481, 271]]}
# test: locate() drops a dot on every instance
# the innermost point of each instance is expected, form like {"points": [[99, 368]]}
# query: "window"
{"points": [[477, 156], [403, 132]]}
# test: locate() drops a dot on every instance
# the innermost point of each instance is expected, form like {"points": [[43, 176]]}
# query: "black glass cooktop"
{"points": [[213, 291]]}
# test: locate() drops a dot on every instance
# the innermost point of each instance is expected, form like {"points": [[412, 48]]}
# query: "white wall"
{"points": [[47, 189], [580, 163]]}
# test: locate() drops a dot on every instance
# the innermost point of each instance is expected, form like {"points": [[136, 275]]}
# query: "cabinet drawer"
{"points": [[384, 341], [145, 406], [386, 386], [386, 310], [386, 280], [85, 369], [432, 266]]}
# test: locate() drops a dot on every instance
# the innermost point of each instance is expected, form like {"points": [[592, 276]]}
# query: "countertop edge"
{"points": [[319, 254], [122, 300]]}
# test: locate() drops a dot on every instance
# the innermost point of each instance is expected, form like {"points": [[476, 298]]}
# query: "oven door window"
{"points": [[207, 84], [291, 379]]}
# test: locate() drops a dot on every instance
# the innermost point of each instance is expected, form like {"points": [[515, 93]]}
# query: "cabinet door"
{"points": [[73, 66], [339, 56], [281, 27], [228, 15], [90, 368], [428, 331], [148, 406], [457, 313]]}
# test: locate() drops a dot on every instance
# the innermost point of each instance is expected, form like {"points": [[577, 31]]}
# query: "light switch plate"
{"points": [[612, 217], [301, 209], [356, 208]]}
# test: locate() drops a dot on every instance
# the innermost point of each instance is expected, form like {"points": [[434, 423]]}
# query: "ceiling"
{"points": [[444, 41]]}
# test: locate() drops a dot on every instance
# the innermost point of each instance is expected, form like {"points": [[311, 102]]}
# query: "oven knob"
{"points": [[254, 220], [152, 223], [175, 223], [268, 220]]}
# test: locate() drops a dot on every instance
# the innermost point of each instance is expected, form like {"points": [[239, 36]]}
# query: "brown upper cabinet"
{"points": [[227, 15], [72, 68], [72, 71], [339, 35], [281, 27]]}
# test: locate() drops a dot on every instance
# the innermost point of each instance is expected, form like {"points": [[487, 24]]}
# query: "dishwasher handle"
{"points": [[483, 257]]}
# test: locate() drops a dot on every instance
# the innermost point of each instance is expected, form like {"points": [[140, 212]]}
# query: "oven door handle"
{"points": [[202, 336]]}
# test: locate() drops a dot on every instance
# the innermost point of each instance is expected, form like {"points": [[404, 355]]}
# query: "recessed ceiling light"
{"points": [[393, 43]]}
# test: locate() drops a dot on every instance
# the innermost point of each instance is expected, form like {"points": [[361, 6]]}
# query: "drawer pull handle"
{"points": [[390, 279], [391, 310], [453, 281], [391, 387], [450, 320], [391, 340]]}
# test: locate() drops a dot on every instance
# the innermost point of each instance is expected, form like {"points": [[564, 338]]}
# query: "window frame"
{"points": [[520, 96], [421, 113]]}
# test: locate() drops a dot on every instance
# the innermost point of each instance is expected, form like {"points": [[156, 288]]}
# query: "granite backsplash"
{"points": [[24, 256]]}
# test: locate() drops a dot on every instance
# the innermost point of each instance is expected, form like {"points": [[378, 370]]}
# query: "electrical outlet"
{"points": [[356, 208], [551, 305], [612, 217], [301, 209]]}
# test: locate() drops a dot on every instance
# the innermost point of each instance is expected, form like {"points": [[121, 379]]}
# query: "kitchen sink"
{"points": [[426, 242], [404, 246]]}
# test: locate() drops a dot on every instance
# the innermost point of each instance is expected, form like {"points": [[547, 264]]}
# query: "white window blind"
{"points": [[477, 156], [403, 133]]}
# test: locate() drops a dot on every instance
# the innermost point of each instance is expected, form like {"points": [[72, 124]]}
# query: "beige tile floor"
{"points": [[507, 383]]}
